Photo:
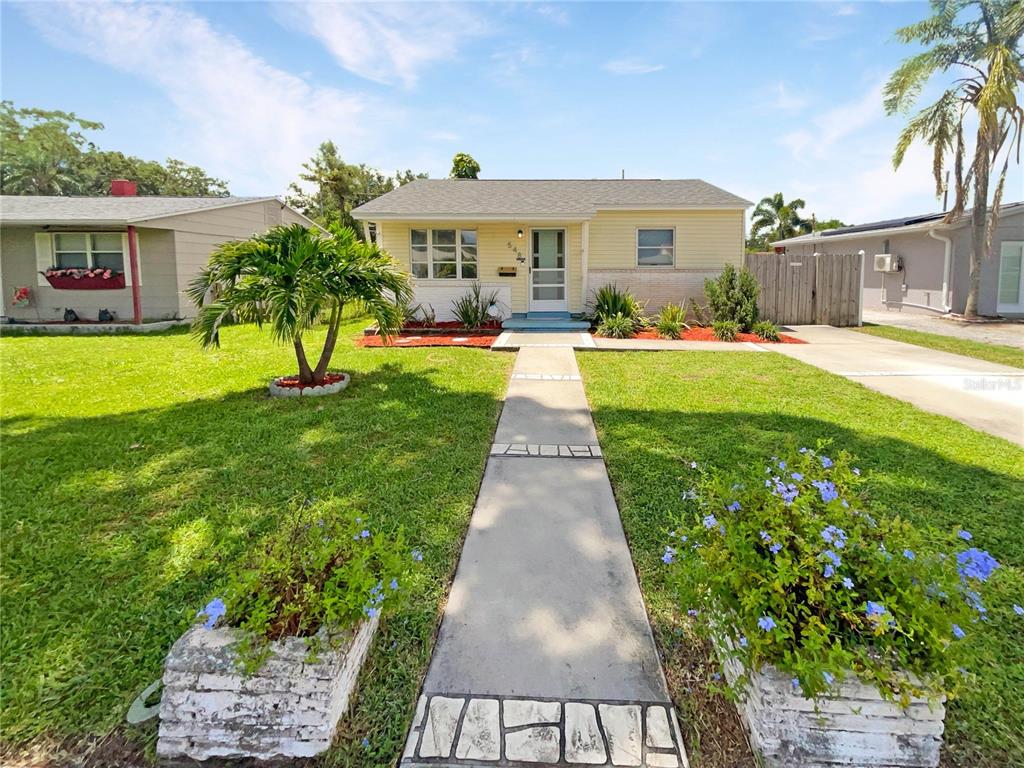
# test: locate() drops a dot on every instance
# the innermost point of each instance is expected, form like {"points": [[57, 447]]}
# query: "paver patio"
{"points": [[545, 655]]}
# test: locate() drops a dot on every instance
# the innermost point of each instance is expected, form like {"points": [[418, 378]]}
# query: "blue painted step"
{"points": [[544, 321]]}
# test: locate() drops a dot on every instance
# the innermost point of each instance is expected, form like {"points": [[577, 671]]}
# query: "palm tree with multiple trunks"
{"points": [[979, 43], [293, 277], [776, 219]]}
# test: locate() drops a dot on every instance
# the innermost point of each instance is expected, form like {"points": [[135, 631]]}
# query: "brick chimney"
{"points": [[123, 188]]}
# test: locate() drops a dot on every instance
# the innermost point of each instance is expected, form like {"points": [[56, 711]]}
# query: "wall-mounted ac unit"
{"points": [[887, 262]]}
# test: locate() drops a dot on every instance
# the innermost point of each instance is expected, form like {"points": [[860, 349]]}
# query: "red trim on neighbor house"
{"points": [[133, 265]]}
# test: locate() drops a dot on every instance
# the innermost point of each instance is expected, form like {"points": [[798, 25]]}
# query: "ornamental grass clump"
{"points": [[319, 571], [782, 564]]}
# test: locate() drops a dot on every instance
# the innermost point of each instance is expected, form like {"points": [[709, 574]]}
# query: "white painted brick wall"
{"points": [[288, 708], [440, 294], [856, 727]]}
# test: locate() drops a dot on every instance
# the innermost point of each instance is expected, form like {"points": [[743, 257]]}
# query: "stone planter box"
{"points": [[856, 727], [318, 391], [70, 283], [287, 709]]}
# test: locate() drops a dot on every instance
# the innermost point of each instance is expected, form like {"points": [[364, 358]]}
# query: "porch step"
{"points": [[544, 321]]}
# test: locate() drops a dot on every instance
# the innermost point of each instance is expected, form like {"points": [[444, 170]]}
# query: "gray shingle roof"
{"points": [[40, 209], [565, 197]]}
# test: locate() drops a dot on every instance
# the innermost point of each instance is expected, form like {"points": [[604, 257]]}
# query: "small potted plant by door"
{"points": [[268, 670], [841, 635], [292, 278]]}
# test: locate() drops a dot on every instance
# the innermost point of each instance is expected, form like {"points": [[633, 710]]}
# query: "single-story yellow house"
{"points": [[546, 245]]}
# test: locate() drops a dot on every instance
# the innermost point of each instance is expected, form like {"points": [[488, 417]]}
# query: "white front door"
{"points": [[1011, 277], [547, 271]]}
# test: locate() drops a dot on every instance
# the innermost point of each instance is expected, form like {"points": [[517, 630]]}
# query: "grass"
{"points": [[994, 353], [138, 469], [654, 410]]}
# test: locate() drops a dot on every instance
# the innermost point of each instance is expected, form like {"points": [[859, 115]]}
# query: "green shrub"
{"points": [[609, 300], [473, 309], [701, 314], [317, 571], [766, 330], [733, 296], [671, 321], [782, 564], [617, 326], [726, 330]]}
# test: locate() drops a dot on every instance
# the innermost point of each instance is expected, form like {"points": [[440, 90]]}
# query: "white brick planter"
{"points": [[276, 390], [287, 709], [855, 727]]}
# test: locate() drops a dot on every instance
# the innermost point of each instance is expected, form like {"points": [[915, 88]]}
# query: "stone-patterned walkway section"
{"points": [[503, 731], [549, 450]]}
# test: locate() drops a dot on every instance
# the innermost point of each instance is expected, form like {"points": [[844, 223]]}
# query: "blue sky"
{"points": [[753, 97]]}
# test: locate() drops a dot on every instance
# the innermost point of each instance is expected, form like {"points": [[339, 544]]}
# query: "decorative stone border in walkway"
{"points": [[547, 450], [461, 730]]}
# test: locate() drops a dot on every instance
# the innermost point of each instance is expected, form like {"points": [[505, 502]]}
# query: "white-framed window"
{"points": [[656, 247], [88, 250], [443, 254]]}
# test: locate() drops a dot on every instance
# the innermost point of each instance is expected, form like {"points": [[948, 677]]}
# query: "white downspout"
{"points": [[946, 267], [585, 264]]}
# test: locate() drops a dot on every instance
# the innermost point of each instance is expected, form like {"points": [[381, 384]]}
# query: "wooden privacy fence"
{"points": [[823, 289]]}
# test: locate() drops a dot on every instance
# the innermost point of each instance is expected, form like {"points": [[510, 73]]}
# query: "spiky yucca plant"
{"points": [[290, 278]]}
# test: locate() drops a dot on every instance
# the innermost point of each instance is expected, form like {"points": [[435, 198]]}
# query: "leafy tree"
{"points": [[732, 297], [45, 152], [338, 187], [292, 276], [828, 224], [464, 167], [776, 219], [976, 43]]}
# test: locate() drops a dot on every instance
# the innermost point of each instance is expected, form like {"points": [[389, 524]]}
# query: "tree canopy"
{"points": [[976, 46], [464, 167], [333, 187], [776, 219], [46, 152]]}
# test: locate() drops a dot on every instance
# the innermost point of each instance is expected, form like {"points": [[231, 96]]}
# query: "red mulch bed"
{"points": [[292, 382], [449, 325], [447, 339], [706, 334]]}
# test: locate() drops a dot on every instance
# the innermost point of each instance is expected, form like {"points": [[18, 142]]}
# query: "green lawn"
{"points": [[724, 408], [994, 353], [138, 469]]}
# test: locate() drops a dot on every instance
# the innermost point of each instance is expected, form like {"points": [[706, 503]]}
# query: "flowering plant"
{"points": [[80, 272], [785, 566], [318, 571], [21, 297]]}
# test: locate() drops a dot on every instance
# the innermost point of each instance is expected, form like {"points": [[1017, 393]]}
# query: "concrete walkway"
{"points": [[986, 396], [545, 655]]}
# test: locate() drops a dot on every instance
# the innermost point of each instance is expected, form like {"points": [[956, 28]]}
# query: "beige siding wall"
{"points": [[158, 284], [705, 241], [495, 244]]}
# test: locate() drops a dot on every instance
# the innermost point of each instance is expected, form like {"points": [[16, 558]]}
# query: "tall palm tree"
{"points": [[978, 42], [290, 278], [37, 172], [775, 219]]}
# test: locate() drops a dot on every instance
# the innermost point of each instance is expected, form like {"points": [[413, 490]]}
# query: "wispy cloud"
{"points": [[847, 9], [386, 42], [238, 116], [556, 14], [781, 98], [631, 67], [835, 124]]}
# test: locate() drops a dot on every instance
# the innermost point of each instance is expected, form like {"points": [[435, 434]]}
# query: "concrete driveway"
{"points": [[983, 395], [1010, 334]]}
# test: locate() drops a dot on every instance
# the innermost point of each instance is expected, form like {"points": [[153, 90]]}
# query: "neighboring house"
{"points": [[172, 239], [929, 262], [546, 245]]}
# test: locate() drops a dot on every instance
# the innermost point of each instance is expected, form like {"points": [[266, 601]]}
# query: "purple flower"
{"points": [[856, 471], [1018, 610], [417, 555], [693, 465], [827, 489], [766, 623], [874, 609], [669, 556], [833, 535], [371, 612], [829, 678], [743, 642], [957, 632], [797, 476], [393, 584], [830, 555], [848, 582], [975, 563], [716, 676], [710, 521], [213, 611], [765, 536], [774, 548], [734, 507], [826, 462], [795, 682], [803, 450], [364, 534], [365, 742], [692, 612], [909, 554], [965, 535], [782, 465], [830, 571]]}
